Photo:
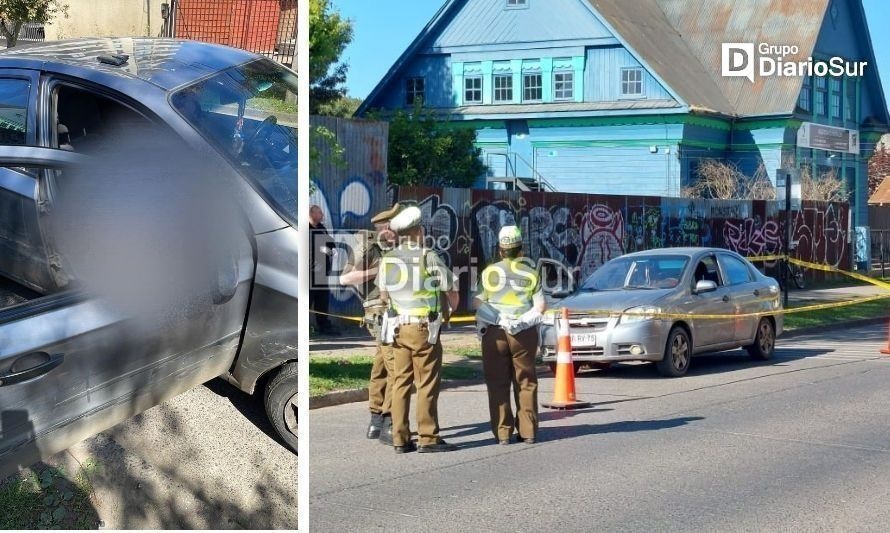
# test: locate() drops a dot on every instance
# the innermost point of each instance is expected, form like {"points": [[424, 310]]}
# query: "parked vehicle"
{"points": [[71, 365], [614, 313]]}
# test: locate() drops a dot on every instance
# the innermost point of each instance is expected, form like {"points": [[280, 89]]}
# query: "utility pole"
{"points": [[787, 270]]}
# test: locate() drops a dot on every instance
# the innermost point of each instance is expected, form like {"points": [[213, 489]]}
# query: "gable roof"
{"points": [[679, 41]]}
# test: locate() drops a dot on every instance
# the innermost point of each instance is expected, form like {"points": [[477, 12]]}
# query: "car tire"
{"points": [[575, 365], [677, 354], [764, 342], [280, 399]]}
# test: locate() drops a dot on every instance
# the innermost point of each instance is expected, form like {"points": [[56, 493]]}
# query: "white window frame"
{"points": [[571, 95], [495, 88], [642, 82], [474, 77], [540, 86]]}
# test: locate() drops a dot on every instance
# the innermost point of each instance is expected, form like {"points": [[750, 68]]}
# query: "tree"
{"points": [[725, 181], [329, 34], [15, 13], [342, 107], [878, 168], [426, 151]]}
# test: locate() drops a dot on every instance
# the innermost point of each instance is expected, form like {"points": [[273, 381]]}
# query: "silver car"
{"points": [[653, 306], [148, 237]]}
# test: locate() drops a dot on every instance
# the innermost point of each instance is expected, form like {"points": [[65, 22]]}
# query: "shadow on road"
{"points": [[629, 426]]}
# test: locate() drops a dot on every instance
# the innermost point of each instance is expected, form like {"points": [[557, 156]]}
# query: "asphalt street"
{"points": [[801, 442]]}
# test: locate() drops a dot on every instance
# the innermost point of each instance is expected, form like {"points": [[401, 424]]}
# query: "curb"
{"points": [[361, 395]]}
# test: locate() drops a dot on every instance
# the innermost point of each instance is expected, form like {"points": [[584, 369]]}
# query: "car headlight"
{"points": [[637, 314]]}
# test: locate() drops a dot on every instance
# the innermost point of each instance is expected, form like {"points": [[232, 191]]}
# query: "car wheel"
{"points": [[280, 398], [764, 342], [576, 366], [677, 354]]}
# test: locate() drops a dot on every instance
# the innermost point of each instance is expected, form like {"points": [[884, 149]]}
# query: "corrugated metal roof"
{"points": [[645, 28], [705, 24], [882, 195]]}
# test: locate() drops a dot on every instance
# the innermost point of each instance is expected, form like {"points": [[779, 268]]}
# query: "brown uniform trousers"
{"points": [[379, 400], [418, 363], [510, 360]]}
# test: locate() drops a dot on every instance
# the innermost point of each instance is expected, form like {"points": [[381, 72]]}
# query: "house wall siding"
{"points": [[602, 76]]}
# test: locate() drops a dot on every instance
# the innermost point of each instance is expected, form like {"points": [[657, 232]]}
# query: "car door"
{"points": [[711, 331], [23, 256], [745, 293], [72, 365]]}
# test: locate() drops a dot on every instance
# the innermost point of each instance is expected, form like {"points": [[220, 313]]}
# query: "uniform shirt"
{"points": [[512, 286], [365, 256], [413, 277]]}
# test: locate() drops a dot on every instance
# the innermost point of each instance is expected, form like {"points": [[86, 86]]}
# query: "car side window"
{"points": [[87, 122], [737, 272], [707, 270], [14, 96]]}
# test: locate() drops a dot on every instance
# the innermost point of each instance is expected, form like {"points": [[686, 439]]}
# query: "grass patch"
{"points": [[824, 317], [272, 105], [345, 373], [468, 352], [47, 498]]}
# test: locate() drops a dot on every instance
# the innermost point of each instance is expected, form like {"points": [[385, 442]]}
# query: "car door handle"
{"points": [[12, 378], [756, 292], [725, 297]]}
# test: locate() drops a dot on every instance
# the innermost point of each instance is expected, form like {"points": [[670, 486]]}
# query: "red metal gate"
{"points": [[267, 27]]}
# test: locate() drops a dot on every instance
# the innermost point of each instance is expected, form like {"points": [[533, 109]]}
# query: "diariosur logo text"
{"points": [[749, 61]]}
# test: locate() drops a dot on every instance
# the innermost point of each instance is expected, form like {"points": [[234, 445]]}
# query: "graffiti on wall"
{"points": [[584, 231]]}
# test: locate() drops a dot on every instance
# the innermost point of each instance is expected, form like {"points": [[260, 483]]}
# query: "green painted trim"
{"points": [[474, 124], [708, 122], [632, 120], [629, 142]]}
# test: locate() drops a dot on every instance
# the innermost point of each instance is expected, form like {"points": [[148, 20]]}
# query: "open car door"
{"points": [[72, 366]]}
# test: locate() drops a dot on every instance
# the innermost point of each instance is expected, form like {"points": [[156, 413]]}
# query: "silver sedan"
{"points": [[667, 305]]}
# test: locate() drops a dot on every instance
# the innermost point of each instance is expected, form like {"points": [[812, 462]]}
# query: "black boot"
{"points": [[375, 426], [386, 431]]}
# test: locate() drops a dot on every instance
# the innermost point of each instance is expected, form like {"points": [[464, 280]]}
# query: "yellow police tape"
{"points": [[794, 310]]}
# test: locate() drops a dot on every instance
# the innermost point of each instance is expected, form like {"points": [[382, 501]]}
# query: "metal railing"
{"points": [[511, 160]]}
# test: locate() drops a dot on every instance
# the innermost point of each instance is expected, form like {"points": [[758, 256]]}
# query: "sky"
{"points": [[383, 29]]}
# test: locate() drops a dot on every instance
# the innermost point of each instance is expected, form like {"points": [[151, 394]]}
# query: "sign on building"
{"points": [[829, 138]]}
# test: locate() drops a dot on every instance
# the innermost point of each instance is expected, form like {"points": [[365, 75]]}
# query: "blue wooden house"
{"points": [[628, 96]]}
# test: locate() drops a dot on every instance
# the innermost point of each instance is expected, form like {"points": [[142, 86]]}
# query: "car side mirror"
{"points": [[704, 285]]}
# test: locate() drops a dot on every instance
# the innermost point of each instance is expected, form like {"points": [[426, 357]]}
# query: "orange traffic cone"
{"points": [[886, 351], [564, 385]]}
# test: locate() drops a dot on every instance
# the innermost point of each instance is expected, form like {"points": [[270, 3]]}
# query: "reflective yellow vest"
{"points": [[510, 286], [408, 275]]}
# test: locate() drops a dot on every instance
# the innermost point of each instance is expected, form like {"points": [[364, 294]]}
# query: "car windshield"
{"points": [[249, 113], [637, 273]]}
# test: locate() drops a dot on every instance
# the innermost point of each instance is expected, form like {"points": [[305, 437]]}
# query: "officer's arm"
{"points": [[453, 298], [540, 304], [357, 277]]}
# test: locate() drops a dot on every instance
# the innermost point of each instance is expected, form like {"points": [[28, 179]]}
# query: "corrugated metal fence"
{"points": [[266, 27], [580, 232]]}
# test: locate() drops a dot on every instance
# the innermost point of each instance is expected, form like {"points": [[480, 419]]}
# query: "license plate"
{"points": [[583, 339]]}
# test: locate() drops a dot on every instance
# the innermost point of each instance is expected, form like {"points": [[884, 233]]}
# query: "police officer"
{"points": [[410, 279], [360, 271], [511, 305]]}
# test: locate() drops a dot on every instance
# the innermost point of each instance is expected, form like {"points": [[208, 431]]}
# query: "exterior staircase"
{"points": [[504, 166]]}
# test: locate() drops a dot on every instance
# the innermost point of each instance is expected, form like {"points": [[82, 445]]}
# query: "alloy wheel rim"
{"points": [[680, 352], [766, 338], [290, 414]]}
